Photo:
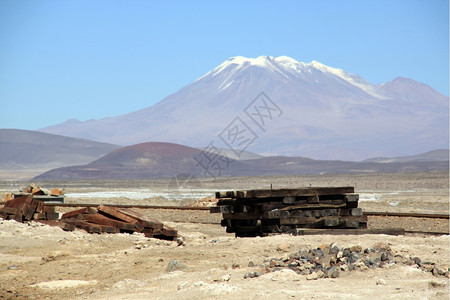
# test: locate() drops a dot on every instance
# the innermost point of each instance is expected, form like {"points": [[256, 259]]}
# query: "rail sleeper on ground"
{"points": [[262, 212]]}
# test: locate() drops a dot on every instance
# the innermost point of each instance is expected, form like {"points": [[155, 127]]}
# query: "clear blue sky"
{"points": [[94, 59]]}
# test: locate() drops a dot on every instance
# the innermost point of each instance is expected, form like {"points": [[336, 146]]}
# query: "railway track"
{"points": [[367, 213]]}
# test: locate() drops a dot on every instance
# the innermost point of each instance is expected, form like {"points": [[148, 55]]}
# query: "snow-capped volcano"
{"points": [[311, 110], [289, 68]]}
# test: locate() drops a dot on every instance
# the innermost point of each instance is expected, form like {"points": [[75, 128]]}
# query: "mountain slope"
{"points": [[21, 149], [317, 111], [435, 155]]}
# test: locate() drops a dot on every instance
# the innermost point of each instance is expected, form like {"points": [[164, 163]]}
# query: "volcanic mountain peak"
{"points": [[326, 112]]}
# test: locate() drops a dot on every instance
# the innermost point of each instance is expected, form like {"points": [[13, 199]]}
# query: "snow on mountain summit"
{"points": [[285, 66]]}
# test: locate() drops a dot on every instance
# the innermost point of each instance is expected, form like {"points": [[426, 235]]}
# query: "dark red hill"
{"points": [[145, 160]]}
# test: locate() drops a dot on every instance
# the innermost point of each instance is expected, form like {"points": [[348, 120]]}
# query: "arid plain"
{"points": [[42, 262]]}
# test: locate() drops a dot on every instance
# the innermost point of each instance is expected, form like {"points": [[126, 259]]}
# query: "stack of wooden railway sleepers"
{"points": [[44, 195], [115, 220], [27, 208], [93, 220], [263, 212]]}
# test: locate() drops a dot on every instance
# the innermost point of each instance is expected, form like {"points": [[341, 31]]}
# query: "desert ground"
{"points": [[42, 262]]}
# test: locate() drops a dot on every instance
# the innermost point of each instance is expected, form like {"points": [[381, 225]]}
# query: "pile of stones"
{"points": [[328, 261]]}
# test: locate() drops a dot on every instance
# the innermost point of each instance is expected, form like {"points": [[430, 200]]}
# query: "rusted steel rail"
{"points": [[412, 215], [127, 206], [367, 213]]}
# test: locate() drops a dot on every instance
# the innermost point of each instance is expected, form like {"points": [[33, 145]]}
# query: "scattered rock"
{"points": [[344, 268], [180, 241], [252, 275], [355, 249], [175, 265], [13, 267], [312, 276], [55, 255], [333, 272], [226, 277], [435, 284], [284, 247], [327, 261], [381, 281], [417, 261]]}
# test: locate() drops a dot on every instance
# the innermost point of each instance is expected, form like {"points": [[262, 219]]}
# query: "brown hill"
{"points": [[145, 160], [162, 160]]}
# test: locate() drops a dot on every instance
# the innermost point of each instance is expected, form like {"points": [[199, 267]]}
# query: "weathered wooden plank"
{"points": [[89, 227], [169, 231], [299, 220], [352, 198], [17, 202], [49, 209], [289, 200], [227, 194], [9, 210], [271, 206], [3, 215], [110, 211], [313, 199], [327, 221], [330, 222], [148, 232], [31, 210], [214, 210], [243, 229], [40, 207], [226, 201], [39, 216], [17, 217], [52, 216], [356, 212], [320, 213], [350, 224], [84, 210], [242, 216], [103, 220], [342, 222], [63, 225], [275, 214], [314, 206], [25, 207], [144, 221], [307, 191]]}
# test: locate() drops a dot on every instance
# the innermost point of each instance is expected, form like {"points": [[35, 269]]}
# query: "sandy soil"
{"points": [[43, 262]]}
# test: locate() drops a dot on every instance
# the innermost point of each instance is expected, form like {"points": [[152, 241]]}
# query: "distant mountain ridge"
{"points": [[167, 160], [24, 149], [325, 113], [435, 155]]}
